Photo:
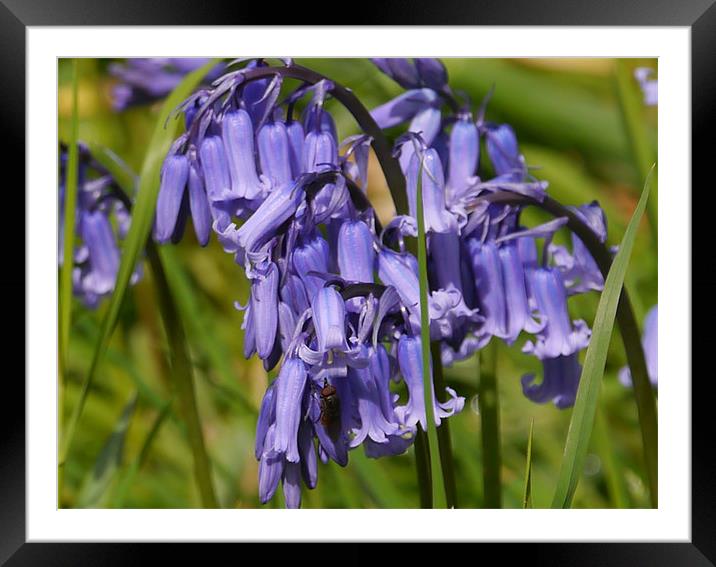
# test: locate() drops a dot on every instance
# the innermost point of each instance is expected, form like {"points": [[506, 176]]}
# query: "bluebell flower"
{"points": [[101, 221], [559, 383], [336, 303], [356, 251], [579, 270], [558, 337], [464, 152], [501, 290], [504, 153], [410, 74], [411, 368], [238, 137], [650, 343]]}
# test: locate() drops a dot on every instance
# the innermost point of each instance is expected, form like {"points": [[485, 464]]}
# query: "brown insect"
{"points": [[330, 404]]}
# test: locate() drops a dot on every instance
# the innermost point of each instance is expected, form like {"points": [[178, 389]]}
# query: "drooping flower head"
{"points": [[102, 219]]}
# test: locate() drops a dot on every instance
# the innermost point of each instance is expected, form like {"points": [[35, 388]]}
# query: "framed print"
{"points": [[414, 275]]}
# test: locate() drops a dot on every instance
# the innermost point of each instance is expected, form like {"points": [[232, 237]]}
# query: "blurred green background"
{"points": [[131, 448]]}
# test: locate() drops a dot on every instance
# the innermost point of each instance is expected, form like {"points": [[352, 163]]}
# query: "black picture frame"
{"points": [[699, 15]]}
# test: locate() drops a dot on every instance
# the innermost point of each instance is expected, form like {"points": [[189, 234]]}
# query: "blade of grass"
{"points": [[68, 243], [422, 467], [120, 171], [142, 219], [489, 406], [68, 246], [527, 492], [182, 374], [438, 484], [582, 421], [642, 149], [95, 486]]}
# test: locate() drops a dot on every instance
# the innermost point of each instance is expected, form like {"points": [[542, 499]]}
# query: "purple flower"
{"points": [[275, 153], [501, 290], [464, 158], [504, 152], [264, 307], [329, 319], [101, 220], [264, 224], [405, 107], [559, 383], [409, 74], [650, 342], [579, 270], [374, 424], [310, 260], [411, 368], [558, 337], [238, 137], [356, 252]]}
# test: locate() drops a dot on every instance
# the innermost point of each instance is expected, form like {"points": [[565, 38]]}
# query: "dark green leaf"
{"points": [[527, 492]]}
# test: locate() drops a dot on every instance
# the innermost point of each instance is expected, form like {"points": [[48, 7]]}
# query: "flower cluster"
{"points": [[483, 257], [101, 219], [335, 296]]}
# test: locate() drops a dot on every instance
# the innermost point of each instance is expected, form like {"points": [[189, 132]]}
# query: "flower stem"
{"points": [[629, 329], [488, 402], [422, 466], [444, 440]]}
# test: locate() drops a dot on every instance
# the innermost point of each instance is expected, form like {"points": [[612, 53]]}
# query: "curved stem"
{"points": [[628, 326], [444, 441], [383, 151]]}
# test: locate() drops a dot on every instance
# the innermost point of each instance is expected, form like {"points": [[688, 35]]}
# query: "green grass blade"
{"points": [[438, 484], [65, 299], [489, 405], [527, 492], [95, 486], [580, 427], [120, 494], [120, 171], [183, 378], [142, 219]]}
